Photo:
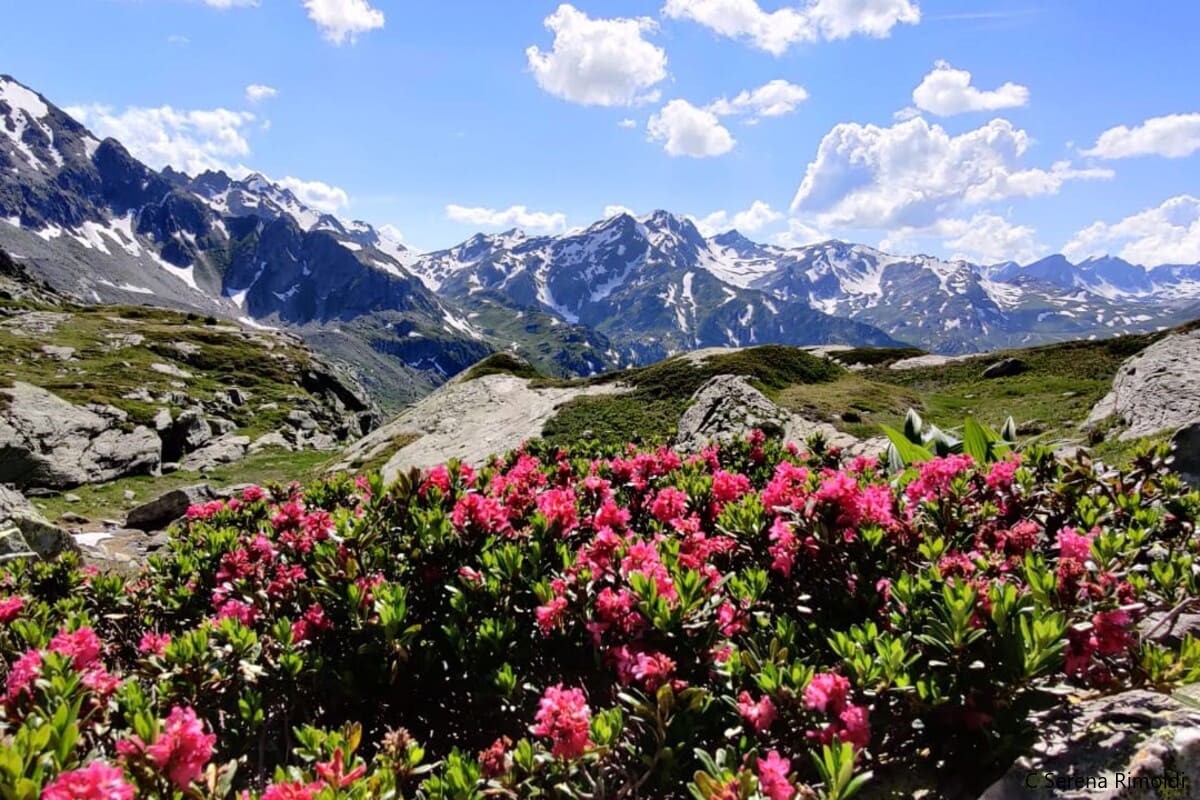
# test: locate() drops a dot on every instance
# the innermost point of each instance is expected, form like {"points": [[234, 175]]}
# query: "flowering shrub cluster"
{"points": [[752, 622]]}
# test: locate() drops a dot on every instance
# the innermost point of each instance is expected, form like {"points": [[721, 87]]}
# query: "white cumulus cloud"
{"points": [[913, 173], [751, 220], [985, 238], [317, 194], [772, 99], [612, 211], [191, 141], [513, 216], [776, 31], [686, 130], [1165, 234], [341, 21], [598, 62], [257, 92], [947, 91], [1172, 136]]}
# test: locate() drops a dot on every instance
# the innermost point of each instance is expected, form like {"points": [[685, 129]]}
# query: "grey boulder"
{"points": [[49, 443], [26, 531], [1156, 390], [1005, 368], [166, 508]]}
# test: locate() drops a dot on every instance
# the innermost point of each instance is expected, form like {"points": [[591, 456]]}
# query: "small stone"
{"points": [[129, 494], [72, 498], [72, 517]]}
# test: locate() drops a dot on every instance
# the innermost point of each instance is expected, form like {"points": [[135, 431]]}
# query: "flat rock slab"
{"points": [[1135, 745], [467, 420]]}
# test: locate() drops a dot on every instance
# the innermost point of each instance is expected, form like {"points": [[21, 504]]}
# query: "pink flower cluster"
{"points": [[564, 717]]}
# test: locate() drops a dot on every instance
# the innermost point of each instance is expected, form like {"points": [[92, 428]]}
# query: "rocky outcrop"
{"points": [[47, 442], [1136, 744], [465, 419], [1156, 390], [727, 407], [24, 532]]}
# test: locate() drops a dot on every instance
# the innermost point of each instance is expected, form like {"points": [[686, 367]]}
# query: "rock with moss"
{"points": [[47, 442]]}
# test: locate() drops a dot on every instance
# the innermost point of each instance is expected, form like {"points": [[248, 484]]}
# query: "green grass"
{"points": [[107, 501], [852, 403], [660, 393], [1048, 401]]}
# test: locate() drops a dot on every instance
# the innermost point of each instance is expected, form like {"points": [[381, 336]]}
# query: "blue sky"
{"points": [[438, 119]]}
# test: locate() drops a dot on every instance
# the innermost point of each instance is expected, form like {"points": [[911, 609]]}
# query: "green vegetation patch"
{"points": [[114, 350], [660, 393], [107, 501], [503, 364]]}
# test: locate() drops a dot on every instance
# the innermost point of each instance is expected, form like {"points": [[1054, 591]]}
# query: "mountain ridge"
{"points": [[88, 217]]}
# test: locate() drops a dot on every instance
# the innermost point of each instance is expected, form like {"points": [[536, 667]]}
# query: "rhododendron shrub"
{"points": [[752, 621]]}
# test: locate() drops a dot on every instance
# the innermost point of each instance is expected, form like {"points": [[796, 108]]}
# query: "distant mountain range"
{"points": [[92, 220]]}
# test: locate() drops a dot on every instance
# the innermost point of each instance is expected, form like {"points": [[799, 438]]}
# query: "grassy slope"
{"points": [[1048, 402], [660, 393], [102, 370], [107, 501]]}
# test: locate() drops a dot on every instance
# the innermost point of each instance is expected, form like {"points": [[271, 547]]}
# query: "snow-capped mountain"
{"points": [[652, 285], [92, 220]]}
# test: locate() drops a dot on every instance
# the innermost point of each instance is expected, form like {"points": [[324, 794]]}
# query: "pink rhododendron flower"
{"points": [[182, 748], [293, 790], [564, 717], [550, 615], [203, 511], [83, 646], [21, 675], [478, 513], [669, 504], [310, 624], [1000, 476], [99, 680], [855, 729], [236, 609], [826, 692], [728, 487], [96, 781], [10, 609], [558, 507], [154, 643], [612, 516], [252, 494], [494, 761], [334, 773], [936, 476], [759, 715], [788, 487], [1072, 544], [652, 670], [773, 777], [783, 547], [1111, 630]]}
